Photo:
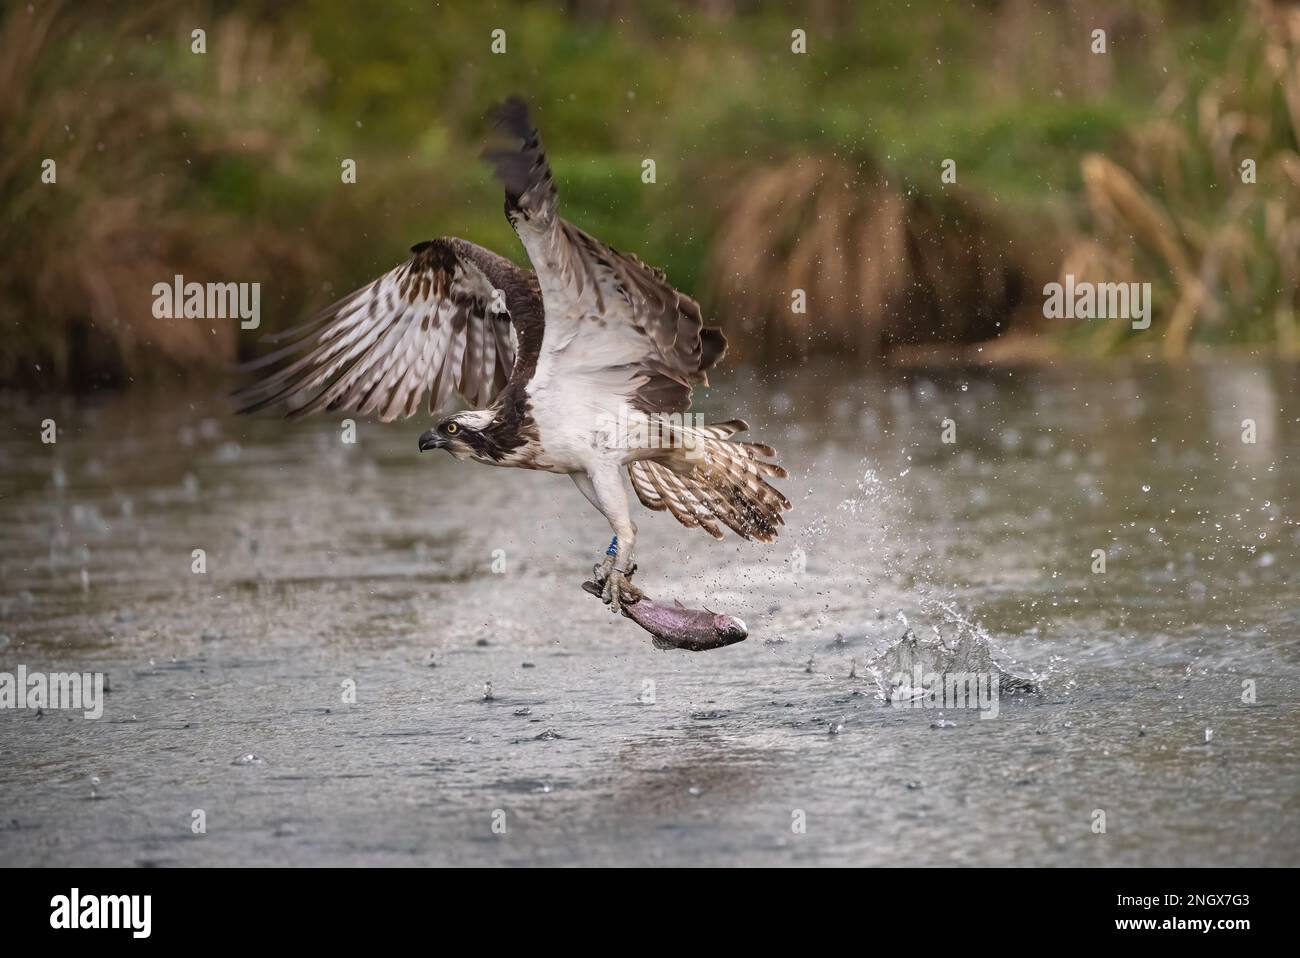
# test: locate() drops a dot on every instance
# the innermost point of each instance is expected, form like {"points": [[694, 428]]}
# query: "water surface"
{"points": [[368, 565]]}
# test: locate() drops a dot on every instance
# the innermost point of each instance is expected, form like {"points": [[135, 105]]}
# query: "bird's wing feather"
{"points": [[434, 324], [611, 320]]}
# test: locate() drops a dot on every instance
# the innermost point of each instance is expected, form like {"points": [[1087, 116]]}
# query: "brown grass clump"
{"points": [[1220, 252], [79, 257], [880, 268]]}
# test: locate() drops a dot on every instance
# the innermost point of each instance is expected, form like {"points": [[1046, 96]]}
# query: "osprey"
{"points": [[583, 365]]}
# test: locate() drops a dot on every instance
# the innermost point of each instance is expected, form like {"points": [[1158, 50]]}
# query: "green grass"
{"points": [[403, 89]]}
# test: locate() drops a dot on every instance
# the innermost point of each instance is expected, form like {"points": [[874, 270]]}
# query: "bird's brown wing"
{"points": [[611, 320], [437, 324]]}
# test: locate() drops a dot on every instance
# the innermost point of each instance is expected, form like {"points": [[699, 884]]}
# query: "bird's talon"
{"points": [[618, 592]]}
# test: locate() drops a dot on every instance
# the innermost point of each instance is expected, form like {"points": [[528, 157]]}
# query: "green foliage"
{"points": [[1007, 89]]}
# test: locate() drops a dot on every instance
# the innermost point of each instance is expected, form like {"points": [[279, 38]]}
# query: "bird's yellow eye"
{"points": [[452, 428]]}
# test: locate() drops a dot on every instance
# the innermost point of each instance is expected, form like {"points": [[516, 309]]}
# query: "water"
{"points": [[350, 682]]}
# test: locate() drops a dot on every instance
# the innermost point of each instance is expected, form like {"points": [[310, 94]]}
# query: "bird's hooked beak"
{"points": [[432, 440]]}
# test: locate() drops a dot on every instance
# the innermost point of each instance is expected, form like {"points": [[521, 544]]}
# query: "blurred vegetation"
{"points": [[1203, 201], [773, 169]]}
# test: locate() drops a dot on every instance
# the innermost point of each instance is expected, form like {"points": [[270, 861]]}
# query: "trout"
{"points": [[677, 627]]}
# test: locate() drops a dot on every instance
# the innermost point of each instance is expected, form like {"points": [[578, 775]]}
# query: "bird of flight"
{"points": [[583, 365]]}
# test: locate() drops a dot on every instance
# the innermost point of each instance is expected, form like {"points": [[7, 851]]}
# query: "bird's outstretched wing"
{"points": [[439, 323], [611, 320]]}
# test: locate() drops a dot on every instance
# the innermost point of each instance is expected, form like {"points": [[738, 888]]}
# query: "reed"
{"points": [[1176, 207], [880, 266], [80, 256]]}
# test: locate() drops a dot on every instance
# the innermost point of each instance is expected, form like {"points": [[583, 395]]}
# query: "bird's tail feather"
{"points": [[707, 479]]}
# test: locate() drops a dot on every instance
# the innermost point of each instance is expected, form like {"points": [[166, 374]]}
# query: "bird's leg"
{"points": [[600, 572], [617, 590], [603, 568]]}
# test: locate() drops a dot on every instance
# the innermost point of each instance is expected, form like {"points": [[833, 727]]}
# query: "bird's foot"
{"points": [[600, 572], [617, 590]]}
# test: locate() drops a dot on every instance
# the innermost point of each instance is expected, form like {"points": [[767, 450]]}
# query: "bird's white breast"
{"points": [[576, 425]]}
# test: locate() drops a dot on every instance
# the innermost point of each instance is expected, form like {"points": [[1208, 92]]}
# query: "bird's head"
{"points": [[461, 434]]}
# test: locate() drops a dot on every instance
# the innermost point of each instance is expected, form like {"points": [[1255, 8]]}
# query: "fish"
{"points": [[677, 627]]}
